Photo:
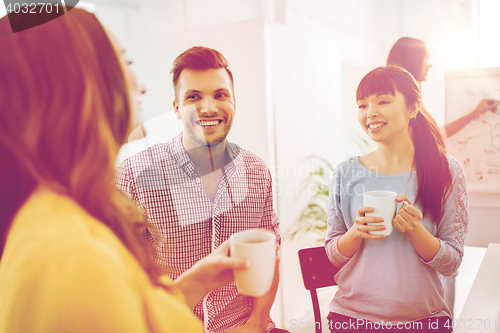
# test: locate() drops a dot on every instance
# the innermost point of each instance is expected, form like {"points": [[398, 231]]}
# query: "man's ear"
{"points": [[176, 110]]}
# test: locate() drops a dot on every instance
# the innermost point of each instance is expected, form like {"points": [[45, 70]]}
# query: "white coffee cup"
{"points": [[259, 248], [384, 203]]}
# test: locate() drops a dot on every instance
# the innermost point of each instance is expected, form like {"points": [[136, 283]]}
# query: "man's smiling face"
{"points": [[205, 104]]}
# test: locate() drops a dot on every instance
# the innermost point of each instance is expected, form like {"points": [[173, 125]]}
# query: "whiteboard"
{"points": [[476, 146]]}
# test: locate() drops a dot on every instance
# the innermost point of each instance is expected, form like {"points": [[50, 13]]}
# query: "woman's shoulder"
{"points": [[368, 160], [52, 227], [348, 163], [56, 248], [454, 165], [56, 245], [348, 169]]}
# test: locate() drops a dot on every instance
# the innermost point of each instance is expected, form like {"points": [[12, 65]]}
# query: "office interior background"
{"points": [[296, 65]]}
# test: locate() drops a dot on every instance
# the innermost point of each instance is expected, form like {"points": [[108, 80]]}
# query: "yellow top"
{"points": [[64, 271]]}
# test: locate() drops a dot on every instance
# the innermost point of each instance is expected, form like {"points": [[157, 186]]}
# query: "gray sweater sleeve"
{"points": [[336, 226], [452, 228]]}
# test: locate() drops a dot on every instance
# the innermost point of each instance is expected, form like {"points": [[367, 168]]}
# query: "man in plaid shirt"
{"points": [[199, 189]]}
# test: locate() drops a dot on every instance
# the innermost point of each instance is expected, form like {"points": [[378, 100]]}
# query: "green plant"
{"points": [[313, 219]]}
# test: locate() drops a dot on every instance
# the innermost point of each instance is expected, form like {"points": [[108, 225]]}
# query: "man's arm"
{"points": [[261, 306], [126, 183], [123, 180]]}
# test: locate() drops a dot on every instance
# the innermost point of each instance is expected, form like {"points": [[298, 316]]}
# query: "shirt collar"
{"points": [[178, 151], [182, 159]]}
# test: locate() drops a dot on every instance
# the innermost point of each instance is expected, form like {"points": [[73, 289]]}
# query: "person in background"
{"points": [[199, 189], [73, 254], [393, 282], [413, 55]]}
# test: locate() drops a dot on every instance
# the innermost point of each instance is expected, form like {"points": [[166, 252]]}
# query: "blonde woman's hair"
{"points": [[64, 113]]}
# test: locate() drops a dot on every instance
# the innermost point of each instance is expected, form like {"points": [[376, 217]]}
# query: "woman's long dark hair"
{"points": [[431, 164], [64, 112]]}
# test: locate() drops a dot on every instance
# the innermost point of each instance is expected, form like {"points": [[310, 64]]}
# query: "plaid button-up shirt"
{"points": [[162, 180]]}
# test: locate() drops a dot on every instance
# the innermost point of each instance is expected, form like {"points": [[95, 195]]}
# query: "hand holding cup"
{"points": [[258, 247], [384, 206], [408, 216], [364, 224]]}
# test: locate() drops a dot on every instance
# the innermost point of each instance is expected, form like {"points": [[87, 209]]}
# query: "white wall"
{"points": [[489, 43], [307, 88], [446, 28]]}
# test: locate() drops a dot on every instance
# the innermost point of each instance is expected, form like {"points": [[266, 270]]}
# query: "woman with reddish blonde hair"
{"points": [[392, 283], [73, 254]]}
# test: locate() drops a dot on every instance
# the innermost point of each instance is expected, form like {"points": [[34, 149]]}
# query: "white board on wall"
{"points": [[476, 146]]}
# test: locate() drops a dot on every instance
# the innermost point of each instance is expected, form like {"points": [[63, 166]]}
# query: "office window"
{"points": [[488, 32]]}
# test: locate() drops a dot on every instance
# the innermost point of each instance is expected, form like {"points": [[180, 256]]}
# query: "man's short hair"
{"points": [[198, 58]]}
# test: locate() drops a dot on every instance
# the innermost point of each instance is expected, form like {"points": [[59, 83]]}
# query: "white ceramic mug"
{"points": [[384, 203], [259, 248]]}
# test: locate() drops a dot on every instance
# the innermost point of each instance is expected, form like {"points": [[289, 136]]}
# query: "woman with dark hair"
{"points": [[413, 55], [74, 256], [392, 282]]}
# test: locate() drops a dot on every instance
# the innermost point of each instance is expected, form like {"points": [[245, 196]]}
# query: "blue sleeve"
{"points": [[336, 225]]}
